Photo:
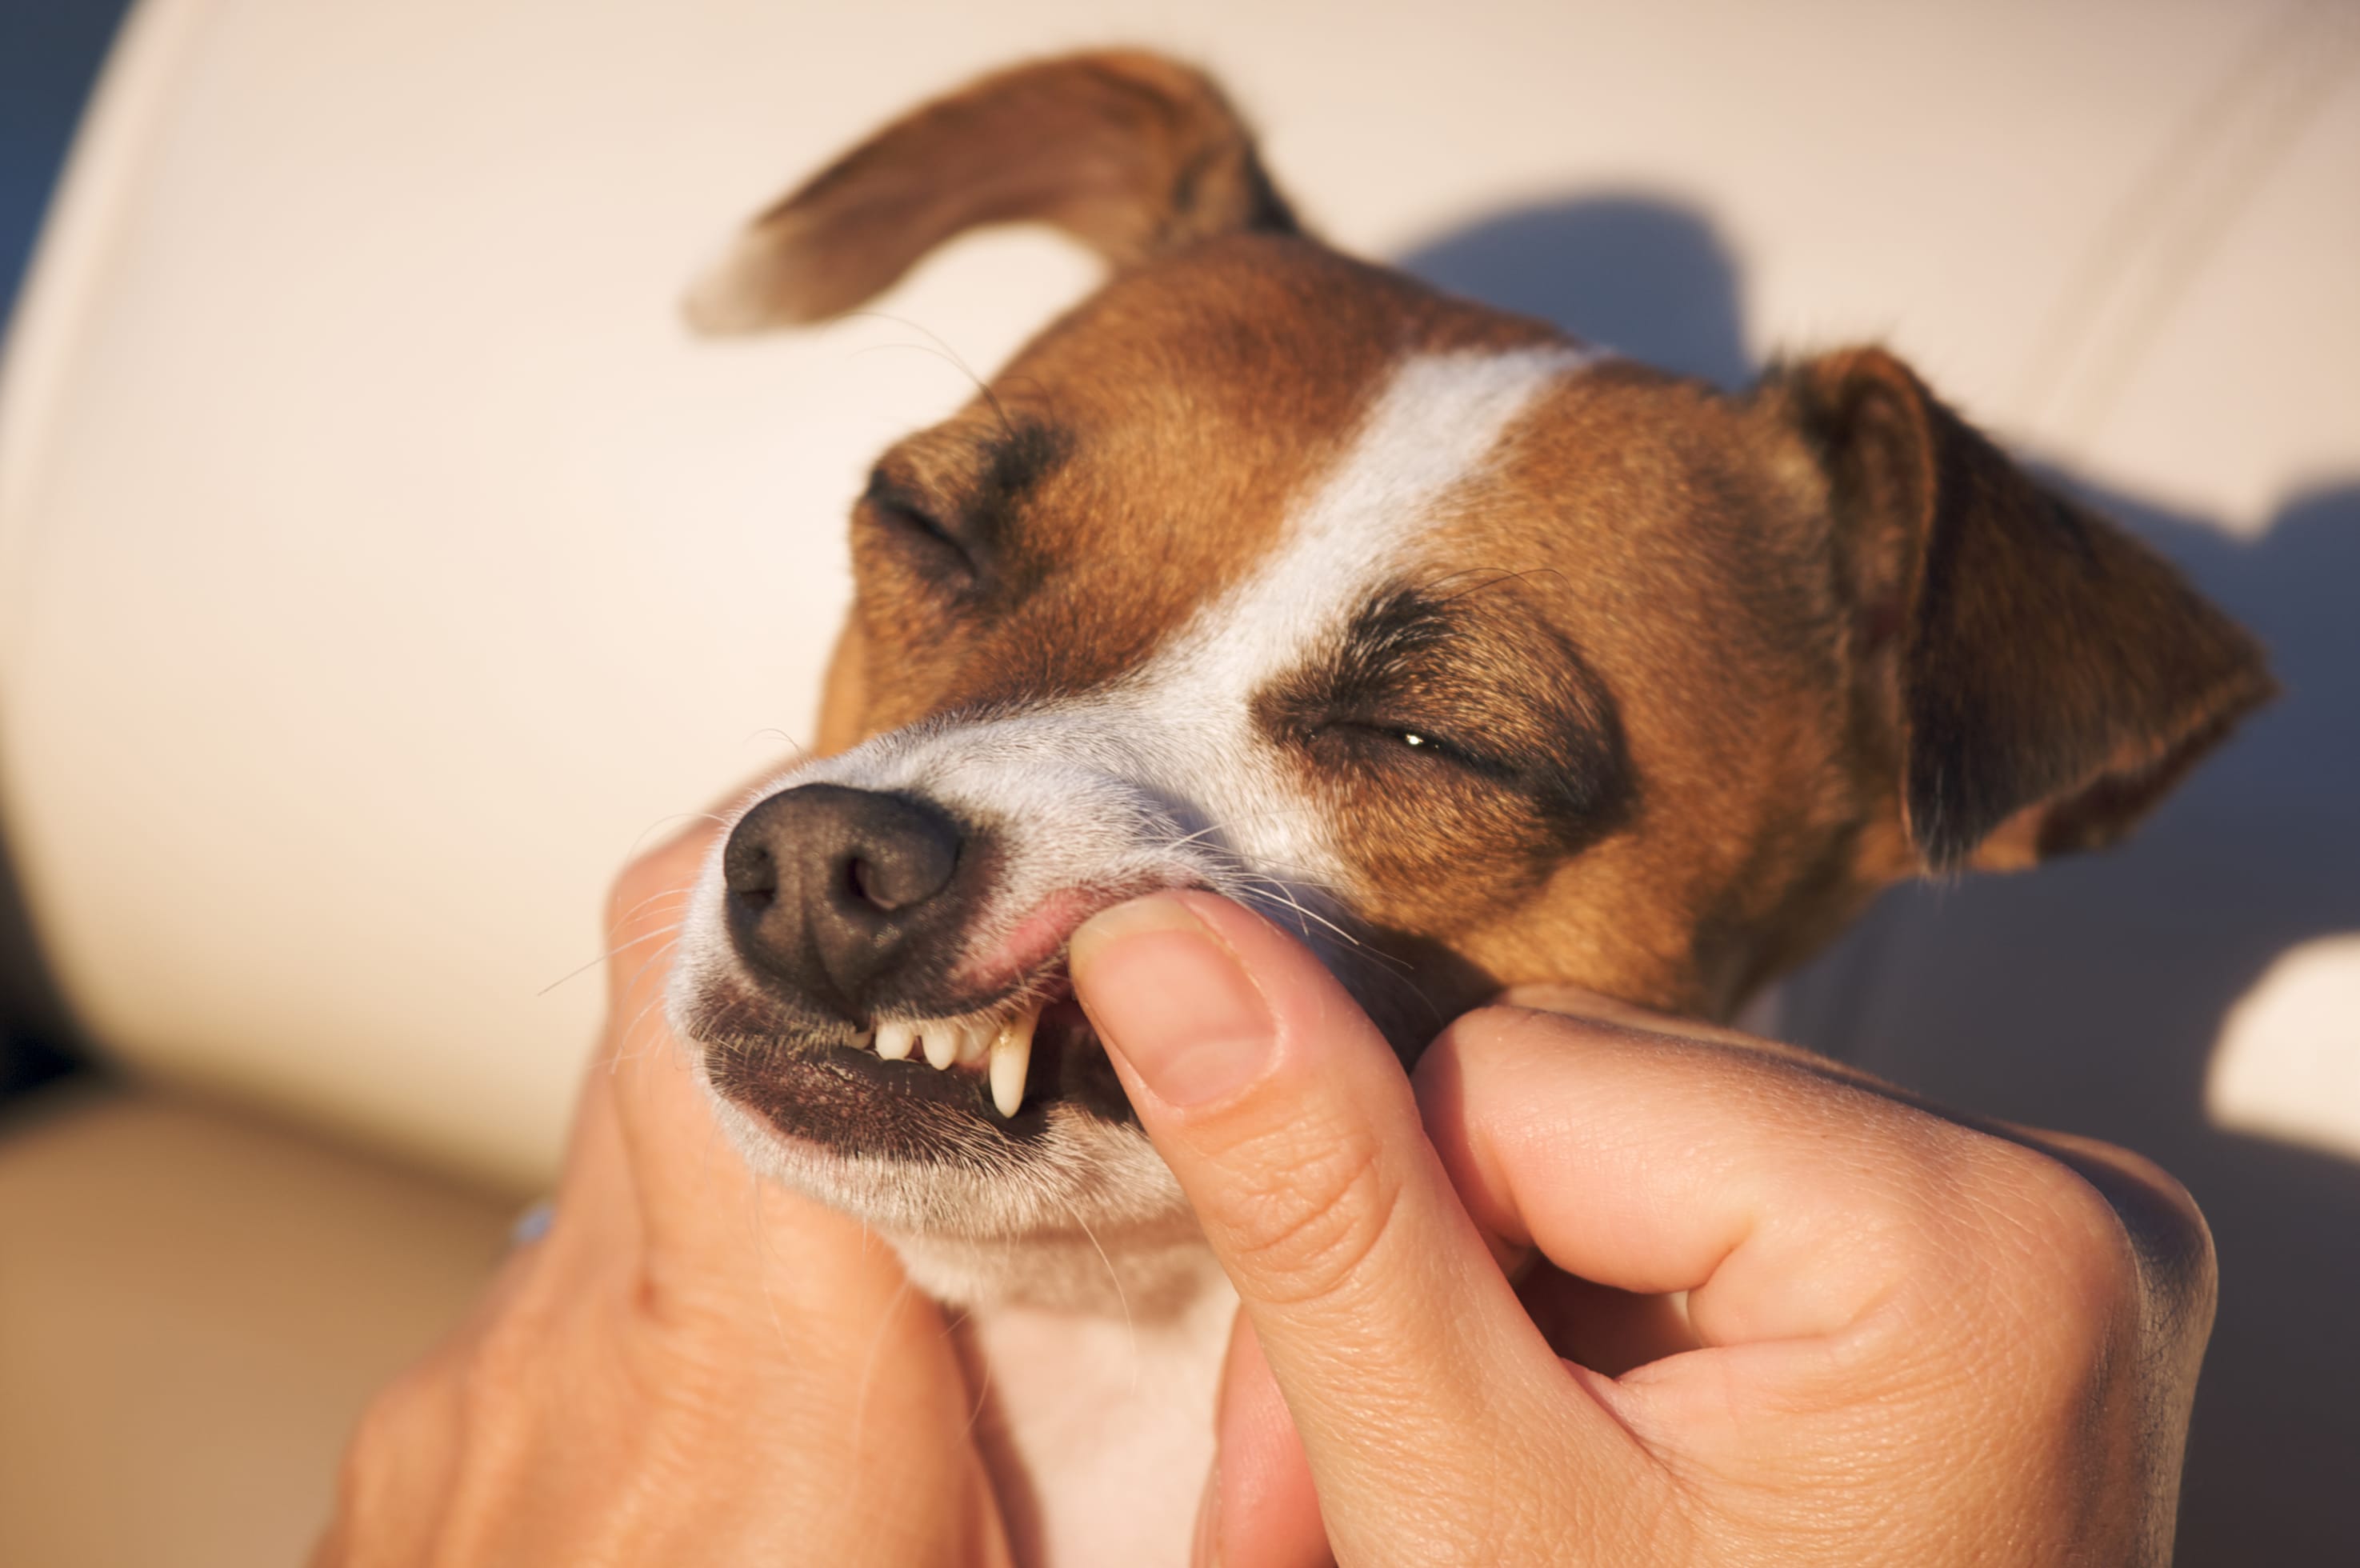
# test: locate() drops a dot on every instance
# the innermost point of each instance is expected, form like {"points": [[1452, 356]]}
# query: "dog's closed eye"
{"points": [[917, 530]]}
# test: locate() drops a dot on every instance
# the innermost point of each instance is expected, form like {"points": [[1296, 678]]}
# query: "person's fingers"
{"points": [[596, 1204], [1596, 1326], [1655, 1163], [2166, 1231], [690, 1189], [1263, 1511], [404, 1453], [597, 1199], [1824, 1233], [1399, 1344]]}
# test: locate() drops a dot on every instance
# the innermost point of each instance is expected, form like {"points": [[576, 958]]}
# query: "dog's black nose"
{"points": [[839, 893]]}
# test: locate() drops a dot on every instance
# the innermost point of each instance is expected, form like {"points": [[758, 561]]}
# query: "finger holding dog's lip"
{"points": [[1394, 1337], [690, 1366], [1848, 1258]]}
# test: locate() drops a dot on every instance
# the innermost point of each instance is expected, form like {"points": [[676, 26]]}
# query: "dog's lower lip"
{"points": [[838, 1093], [825, 1085]]}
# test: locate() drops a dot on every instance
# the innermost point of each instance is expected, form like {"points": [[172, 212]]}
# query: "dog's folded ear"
{"points": [[2046, 677], [1130, 153]]}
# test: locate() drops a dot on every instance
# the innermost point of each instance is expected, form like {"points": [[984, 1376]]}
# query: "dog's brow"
{"points": [[1395, 625], [1016, 461]]}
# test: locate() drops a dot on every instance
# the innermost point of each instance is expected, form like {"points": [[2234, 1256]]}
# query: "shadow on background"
{"points": [[2089, 995], [1626, 271]]}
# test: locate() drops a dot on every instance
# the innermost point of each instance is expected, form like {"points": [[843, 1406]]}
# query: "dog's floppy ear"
{"points": [[1130, 153], [2050, 677]]}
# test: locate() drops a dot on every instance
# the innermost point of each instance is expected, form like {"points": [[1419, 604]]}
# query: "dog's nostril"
{"points": [[895, 874], [750, 873]]}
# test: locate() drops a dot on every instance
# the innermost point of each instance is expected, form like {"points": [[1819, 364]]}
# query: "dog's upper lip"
{"points": [[1037, 940]]}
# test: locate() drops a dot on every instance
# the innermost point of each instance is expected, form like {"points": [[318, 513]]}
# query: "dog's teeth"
{"points": [[894, 1040], [1011, 1059], [974, 1041], [942, 1045]]}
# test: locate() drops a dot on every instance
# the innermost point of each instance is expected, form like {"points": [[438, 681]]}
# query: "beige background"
{"points": [[379, 562]]}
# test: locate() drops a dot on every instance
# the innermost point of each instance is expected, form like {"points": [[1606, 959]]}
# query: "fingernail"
{"points": [[1172, 1000]]}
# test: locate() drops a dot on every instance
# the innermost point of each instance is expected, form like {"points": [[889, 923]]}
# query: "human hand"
{"points": [[691, 1367], [1766, 1309]]}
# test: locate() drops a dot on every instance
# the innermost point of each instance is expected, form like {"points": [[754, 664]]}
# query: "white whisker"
{"points": [[619, 947]]}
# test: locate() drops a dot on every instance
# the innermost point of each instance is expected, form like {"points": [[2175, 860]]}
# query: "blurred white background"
{"points": [[381, 561]]}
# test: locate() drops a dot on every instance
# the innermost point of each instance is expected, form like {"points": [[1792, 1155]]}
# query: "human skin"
{"points": [[1764, 1308], [1904, 1339], [692, 1367]]}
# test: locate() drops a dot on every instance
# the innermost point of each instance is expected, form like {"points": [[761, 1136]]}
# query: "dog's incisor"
{"points": [[1474, 654]]}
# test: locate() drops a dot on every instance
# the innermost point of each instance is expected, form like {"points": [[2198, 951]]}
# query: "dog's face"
{"points": [[1473, 654]]}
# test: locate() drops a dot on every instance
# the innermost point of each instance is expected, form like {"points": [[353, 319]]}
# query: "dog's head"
{"points": [[1475, 655]]}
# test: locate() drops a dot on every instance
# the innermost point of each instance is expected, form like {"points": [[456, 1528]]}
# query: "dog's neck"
{"points": [[1095, 1419], [1146, 1275]]}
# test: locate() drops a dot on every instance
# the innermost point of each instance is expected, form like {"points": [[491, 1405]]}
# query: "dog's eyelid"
{"points": [[889, 490], [1419, 738], [911, 513], [893, 492], [918, 527]]}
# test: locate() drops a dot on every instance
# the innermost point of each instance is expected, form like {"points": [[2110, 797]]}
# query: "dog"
{"points": [[1475, 655]]}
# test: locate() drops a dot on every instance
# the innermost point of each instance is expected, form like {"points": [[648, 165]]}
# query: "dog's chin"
{"points": [[981, 1207]]}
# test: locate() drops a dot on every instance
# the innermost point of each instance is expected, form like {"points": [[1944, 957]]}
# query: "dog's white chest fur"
{"points": [[1098, 1430]]}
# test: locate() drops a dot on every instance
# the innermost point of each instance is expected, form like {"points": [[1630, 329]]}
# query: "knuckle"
{"points": [[385, 1422], [413, 1399], [410, 1412], [498, 1371], [2074, 1279], [2166, 1232], [1312, 1223], [2074, 1223]]}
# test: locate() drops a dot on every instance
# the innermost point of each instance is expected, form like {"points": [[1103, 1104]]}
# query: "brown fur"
{"points": [[1795, 645], [1130, 153]]}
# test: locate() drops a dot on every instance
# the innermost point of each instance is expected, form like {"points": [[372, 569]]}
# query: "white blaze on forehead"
{"points": [[1438, 426], [1433, 428]]}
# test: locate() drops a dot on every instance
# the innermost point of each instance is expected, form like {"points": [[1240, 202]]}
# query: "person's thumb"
{"points": [[1399, 1346]]}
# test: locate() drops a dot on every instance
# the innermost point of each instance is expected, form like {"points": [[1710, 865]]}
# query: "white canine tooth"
{"points": [[1011, 1059], [894, 1040], [942, 1045], [974, 1041]]}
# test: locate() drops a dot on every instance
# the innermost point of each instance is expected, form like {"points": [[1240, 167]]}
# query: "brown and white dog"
{"points": [[1475, 655]]}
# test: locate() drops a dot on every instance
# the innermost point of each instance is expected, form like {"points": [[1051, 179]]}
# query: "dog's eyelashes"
{"points": [[1417, 741], [1426, 743], [916, 520]]}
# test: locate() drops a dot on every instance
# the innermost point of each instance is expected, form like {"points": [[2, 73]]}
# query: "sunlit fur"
{"points": [[1160, 779]]}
